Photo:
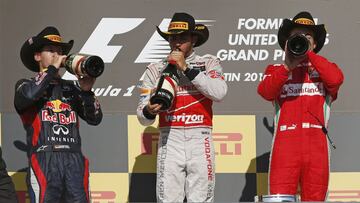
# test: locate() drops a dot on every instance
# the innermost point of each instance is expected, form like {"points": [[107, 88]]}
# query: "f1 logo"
{"points": [[97, 44]]}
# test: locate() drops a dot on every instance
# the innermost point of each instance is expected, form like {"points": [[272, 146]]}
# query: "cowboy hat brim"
{"points": [[288, 25], [200, 30], [33, 45]]}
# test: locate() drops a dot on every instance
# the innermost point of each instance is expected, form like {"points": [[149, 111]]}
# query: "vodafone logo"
{"points": [[98, 42]]}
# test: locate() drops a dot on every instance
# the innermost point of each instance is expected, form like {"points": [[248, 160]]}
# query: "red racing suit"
{"points": [[185, 151], [300, 150]]}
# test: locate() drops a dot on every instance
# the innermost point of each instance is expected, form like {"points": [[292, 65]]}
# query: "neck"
{"points": [[189, 53]]}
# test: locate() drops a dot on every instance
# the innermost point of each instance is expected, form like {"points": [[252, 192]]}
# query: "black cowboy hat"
{"points": [[183, 22], [48, 36], [304, 20]]}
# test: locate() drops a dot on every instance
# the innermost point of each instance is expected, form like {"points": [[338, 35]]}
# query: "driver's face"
{"points": [[183, 42]]}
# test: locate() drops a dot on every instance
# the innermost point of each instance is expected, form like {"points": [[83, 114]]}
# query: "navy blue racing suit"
{"points": [[49, 108]]}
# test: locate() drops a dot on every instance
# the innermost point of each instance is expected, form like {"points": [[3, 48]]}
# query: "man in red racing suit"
{"points": [[302, 91], [185, 161]]}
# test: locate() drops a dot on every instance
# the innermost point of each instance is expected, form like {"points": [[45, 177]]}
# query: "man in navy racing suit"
{"points": [[50, 108]]}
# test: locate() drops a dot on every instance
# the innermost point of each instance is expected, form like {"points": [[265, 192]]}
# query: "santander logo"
{"points": [[300, 89]]}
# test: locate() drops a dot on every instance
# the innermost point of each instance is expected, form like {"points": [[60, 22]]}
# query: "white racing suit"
{"points": [[186, 157]]}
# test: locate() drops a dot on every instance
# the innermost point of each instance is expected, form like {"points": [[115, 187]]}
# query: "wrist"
{"points": [[191, 73], [148, 114], [185, 68], [51, 70]]}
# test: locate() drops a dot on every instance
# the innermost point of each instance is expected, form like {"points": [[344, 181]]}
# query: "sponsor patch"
{"points": [[215, 74], [292, 127], [313, 74], [40, 77], [283, 128], [208, 157], [187, 119], [305, 125], [200, 68], [302, 89]]}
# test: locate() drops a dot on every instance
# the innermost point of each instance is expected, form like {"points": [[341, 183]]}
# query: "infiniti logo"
{"points": [[57, 128]]}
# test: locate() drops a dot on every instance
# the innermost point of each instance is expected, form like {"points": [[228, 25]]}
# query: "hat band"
{"points": [[200, 27], [304, 21], [178, 26], [54, 38]]}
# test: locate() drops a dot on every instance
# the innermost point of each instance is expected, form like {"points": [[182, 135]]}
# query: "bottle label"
{"points": [[74, 64]]}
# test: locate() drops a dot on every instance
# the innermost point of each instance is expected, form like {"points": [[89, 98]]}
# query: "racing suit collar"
{"points": [[191, 57]]}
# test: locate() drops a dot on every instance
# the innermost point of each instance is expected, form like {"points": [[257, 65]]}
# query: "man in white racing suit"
{"points": [[186, 158]]}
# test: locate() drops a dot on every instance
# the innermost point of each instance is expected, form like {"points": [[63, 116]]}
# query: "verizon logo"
{"points": [[187, 119], [300, 89]]}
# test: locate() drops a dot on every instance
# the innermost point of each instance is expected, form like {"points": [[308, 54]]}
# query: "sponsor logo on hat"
{"points": [[178, 26], [304, 21], [54, 38]]}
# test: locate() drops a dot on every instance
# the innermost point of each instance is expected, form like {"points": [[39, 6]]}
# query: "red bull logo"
{"points": [[57, 106], [64, 107], [59, 118], [50, 105]]}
